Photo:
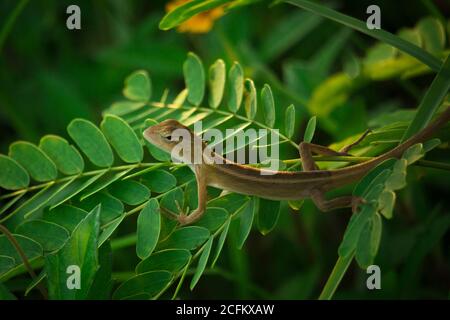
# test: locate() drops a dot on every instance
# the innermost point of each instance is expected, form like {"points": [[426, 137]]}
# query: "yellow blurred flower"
{"points": [[200, 23]]}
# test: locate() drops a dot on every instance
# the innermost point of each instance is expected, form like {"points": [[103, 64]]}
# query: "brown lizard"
{"points": [[280, 185]]}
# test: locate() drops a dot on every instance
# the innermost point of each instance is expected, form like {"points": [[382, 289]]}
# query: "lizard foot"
{"points": [[356, 201], [182, 216]]}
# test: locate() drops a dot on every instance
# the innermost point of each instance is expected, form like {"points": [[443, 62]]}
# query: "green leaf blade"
{"points": [[235, 87], [129, 191], [34, 160], [138, 86], [13, 176], [148, 229], [91, 141], [66, 157], [310, 129], [145, 285], [49, 235], [250, 99], [268, 214], [289, 121], [194, 76], [123, 139], [216, 83], [247, 214], [188, 238], [201, 263], [268, 105], [171, 260]]}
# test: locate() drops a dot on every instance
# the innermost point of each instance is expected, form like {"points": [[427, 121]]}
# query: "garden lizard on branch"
{"points": [[278, 185]]}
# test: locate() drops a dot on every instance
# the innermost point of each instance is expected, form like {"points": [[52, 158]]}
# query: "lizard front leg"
{"points": [[200, 176]]}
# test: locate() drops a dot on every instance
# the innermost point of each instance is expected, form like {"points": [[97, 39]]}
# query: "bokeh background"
{"points": [[50, 75]]}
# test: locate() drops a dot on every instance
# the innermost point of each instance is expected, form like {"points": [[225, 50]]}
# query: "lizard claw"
{"points": [[182, 215]]}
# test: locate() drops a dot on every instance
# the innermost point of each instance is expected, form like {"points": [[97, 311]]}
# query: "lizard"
{"points": [[278, 185]]}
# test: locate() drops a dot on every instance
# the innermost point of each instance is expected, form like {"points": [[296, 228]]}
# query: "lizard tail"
{"points": [[421, 136], [355, 172]]}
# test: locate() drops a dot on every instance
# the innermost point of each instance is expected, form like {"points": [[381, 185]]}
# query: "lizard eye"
{"points": [[167, 136]]}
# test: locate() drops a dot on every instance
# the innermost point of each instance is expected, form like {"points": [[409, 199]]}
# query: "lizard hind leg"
{"points": [[306, 149], [347, 148], [318, 197]]}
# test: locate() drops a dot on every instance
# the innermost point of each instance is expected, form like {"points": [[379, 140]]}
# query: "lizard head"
{"points": [[167, 134]]}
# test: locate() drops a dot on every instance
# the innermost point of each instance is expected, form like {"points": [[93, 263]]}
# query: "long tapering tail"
{"points": [[421, 136]]}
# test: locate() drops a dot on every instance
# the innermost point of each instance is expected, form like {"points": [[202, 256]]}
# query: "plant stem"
{"points": [[335, 277]]}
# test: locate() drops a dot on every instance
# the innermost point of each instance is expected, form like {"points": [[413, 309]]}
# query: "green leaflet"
{"points": [[148, 228], [213, 218], [289, 121], [123, 139], [188, 238], [235, 87], [216, 83], [121, 108], [310, 129], [138, 87], [268, 105], [201, 263], [13, 176], [171, 260], [268, 214], [221, 242], [66, 157], [246, 214], [194, 76], [91, 141], [250, 102], [111, 207], [159, 180], [369, 241], [129, 191], [354, 230], [145, 285], [66, 216], [49, 235], [36, 162], [31, 248]]}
